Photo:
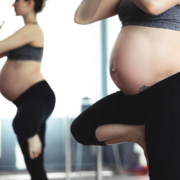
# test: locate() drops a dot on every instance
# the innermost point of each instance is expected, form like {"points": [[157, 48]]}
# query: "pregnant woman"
{"points": [[145, 66], [22, 83]]}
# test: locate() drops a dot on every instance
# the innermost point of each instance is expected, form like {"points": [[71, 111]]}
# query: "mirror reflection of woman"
{"points": [[22, 83], [145, 66]]}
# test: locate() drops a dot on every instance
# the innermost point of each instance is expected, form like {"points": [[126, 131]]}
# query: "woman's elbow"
{"points": [[81, 21], [77, 21]]}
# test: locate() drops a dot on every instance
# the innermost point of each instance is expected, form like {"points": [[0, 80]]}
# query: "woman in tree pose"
{"points": [[22, 83], [145, 66]]}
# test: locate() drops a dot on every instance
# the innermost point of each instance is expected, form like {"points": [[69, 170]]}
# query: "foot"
{"points": [[34, 146], [119, 133]]}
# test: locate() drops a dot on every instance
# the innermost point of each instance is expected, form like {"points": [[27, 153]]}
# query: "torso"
{"points": [[17, 76], [144, 56]]}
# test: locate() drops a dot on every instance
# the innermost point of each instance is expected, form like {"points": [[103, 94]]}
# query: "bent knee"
{"points": [[17, 129], [85, 134], [24, 130], [78, 134]]}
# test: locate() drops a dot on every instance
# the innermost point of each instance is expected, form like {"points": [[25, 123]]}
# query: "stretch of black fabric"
{"points": [[158, 108], [34, 107], [36, 166]]}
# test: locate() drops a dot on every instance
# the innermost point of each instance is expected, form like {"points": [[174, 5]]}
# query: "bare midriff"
{"points": [[143, 56], [17, 76]]}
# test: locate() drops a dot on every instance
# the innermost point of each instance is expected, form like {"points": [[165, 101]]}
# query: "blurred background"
{"points": [[75, 63]]}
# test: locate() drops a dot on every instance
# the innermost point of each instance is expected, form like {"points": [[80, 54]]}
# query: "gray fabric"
{"points": [[130, 14], [26, 52]]}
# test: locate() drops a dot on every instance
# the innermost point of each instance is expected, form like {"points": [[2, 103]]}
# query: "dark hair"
{"points": [[38, 5]]}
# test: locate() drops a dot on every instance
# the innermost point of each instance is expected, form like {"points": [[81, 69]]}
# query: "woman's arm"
{"points": [[90, 11], [2, 55], [23, 36], [155, 7]]}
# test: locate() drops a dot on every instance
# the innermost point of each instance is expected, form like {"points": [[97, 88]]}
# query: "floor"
{"points": [[108, 175]]}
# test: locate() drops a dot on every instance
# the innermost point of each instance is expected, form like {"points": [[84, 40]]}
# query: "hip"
{"points": [[40, 90]]}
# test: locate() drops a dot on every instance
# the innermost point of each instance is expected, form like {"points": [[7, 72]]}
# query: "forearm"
{"points": [[86, 11]]}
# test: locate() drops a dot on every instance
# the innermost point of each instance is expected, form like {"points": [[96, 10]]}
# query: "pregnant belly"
{"points": [[143, 56], [15, 80], [9, 85]]}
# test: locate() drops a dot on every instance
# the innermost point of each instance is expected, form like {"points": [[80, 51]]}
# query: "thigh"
{"points": [[113, 109], [30, 115], [162, 135]]}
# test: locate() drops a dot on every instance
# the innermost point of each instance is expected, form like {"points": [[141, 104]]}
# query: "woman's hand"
{"points": [[2, 24], [34, 146]]}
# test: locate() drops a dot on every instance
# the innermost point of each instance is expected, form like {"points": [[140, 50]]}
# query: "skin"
{"points": [[17, 76], [148, 62], [141, 57], [34, 146]]}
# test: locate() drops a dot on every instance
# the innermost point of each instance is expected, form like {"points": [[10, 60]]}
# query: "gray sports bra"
{"points": [[26, 52], [130, 14]]}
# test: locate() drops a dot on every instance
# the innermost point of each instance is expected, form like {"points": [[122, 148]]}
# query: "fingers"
{"points": [[34, 146], [35, 154], [40, 151], [31, 154]]}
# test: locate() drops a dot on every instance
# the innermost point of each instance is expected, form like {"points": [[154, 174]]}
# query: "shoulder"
{"points": [[35, 33], [32, 28], [28, 34]]}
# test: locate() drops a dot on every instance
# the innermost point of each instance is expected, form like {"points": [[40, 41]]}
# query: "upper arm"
{"points": [[106, 9], [23, 36]]}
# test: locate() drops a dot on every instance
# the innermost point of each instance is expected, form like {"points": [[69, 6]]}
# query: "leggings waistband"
{"points": [[40, 90], [155, 91]]}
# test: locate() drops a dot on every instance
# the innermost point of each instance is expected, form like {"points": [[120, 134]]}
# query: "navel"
{"points": [[113, 69]]}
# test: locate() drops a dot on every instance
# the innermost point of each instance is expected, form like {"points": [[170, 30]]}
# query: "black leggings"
{"points": [[34, 107], [158, 108]]}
